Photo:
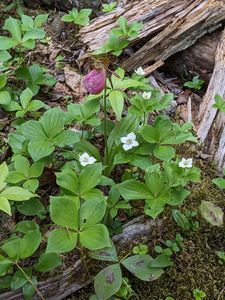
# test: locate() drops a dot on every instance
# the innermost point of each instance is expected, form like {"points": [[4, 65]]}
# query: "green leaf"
{"points": [[108, 281], [3, 80], [29, 243], [47, 262], [33, 131], [91, 212], [105, 254], [5, 98], [68, 180], [36, 169], [4, 56], [161, 261], [18, 280], [21, 164], [64, 211], [7, 43], [4, 266], [165, 153], [17, 194], [220, 182], [33, 34], [31, 185], [66, 138], [26, 226], [61, 240], [40, 149], [116, 100], [140, 266], [90, 176], [181, 220], [12, 247], [95, 237], [28, 288], [40, 20], [67, 18], [132, 189], [53, 122], [26, 97], [14, 27], [211, 213], [31, 207], [3, 175]]}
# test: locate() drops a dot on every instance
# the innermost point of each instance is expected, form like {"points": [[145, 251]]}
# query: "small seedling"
{"points": [[125, 292], [80, 18], [195, 84], [109, 7], [185, 220], [171, 246], [199, 294], [221, 257], [140, 249], [219, 103]]}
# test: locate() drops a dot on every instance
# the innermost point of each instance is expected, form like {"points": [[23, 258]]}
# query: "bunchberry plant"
{"points": [[195, 84], [170, 247], [185, 220], [199, 294], [80, 18], [109, 7], [219, 103], [114, 147]]}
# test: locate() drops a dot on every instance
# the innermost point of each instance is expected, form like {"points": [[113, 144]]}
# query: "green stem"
{"points": [[105, 126], [129, 288], [30, 281]]}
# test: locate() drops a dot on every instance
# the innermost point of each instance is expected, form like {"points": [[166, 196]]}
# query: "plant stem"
{"points": [[105, 126], [84, 261], [30, 281]]}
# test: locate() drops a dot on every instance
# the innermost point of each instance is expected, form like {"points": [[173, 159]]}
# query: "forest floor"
{"points": [[196, 265]]}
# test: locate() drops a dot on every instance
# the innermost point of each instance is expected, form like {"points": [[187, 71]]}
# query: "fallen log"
{"points": [[73, 278], [169, 27], [211, 121]]}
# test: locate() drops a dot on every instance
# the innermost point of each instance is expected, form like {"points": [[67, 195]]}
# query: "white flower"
{"points": [[185, 163], [146, 95], [85, 159], [140, 71], [129, 141]]}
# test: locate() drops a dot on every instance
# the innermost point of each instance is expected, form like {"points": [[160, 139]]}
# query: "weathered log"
{"points": [[74, 278], [169, 27], [198, 59], [209, 118]]}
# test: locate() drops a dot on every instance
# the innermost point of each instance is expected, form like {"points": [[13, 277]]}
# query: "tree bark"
{"points": [[211, 121]]}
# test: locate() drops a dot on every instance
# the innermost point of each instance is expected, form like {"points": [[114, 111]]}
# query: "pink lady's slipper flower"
{"points": [[94, 82]]}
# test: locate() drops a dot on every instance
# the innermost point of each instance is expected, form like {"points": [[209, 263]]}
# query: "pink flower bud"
{"points": [[94, 82]]}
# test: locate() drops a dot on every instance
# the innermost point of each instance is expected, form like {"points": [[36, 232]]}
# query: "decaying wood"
{"points": [[169, 27], [209, 118], [197, 59], [73, 278]]}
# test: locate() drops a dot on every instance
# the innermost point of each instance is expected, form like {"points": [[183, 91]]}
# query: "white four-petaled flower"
{"points": [[146, 95], [185, 163], [129, 141], [85, 159], [140, 71]]}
